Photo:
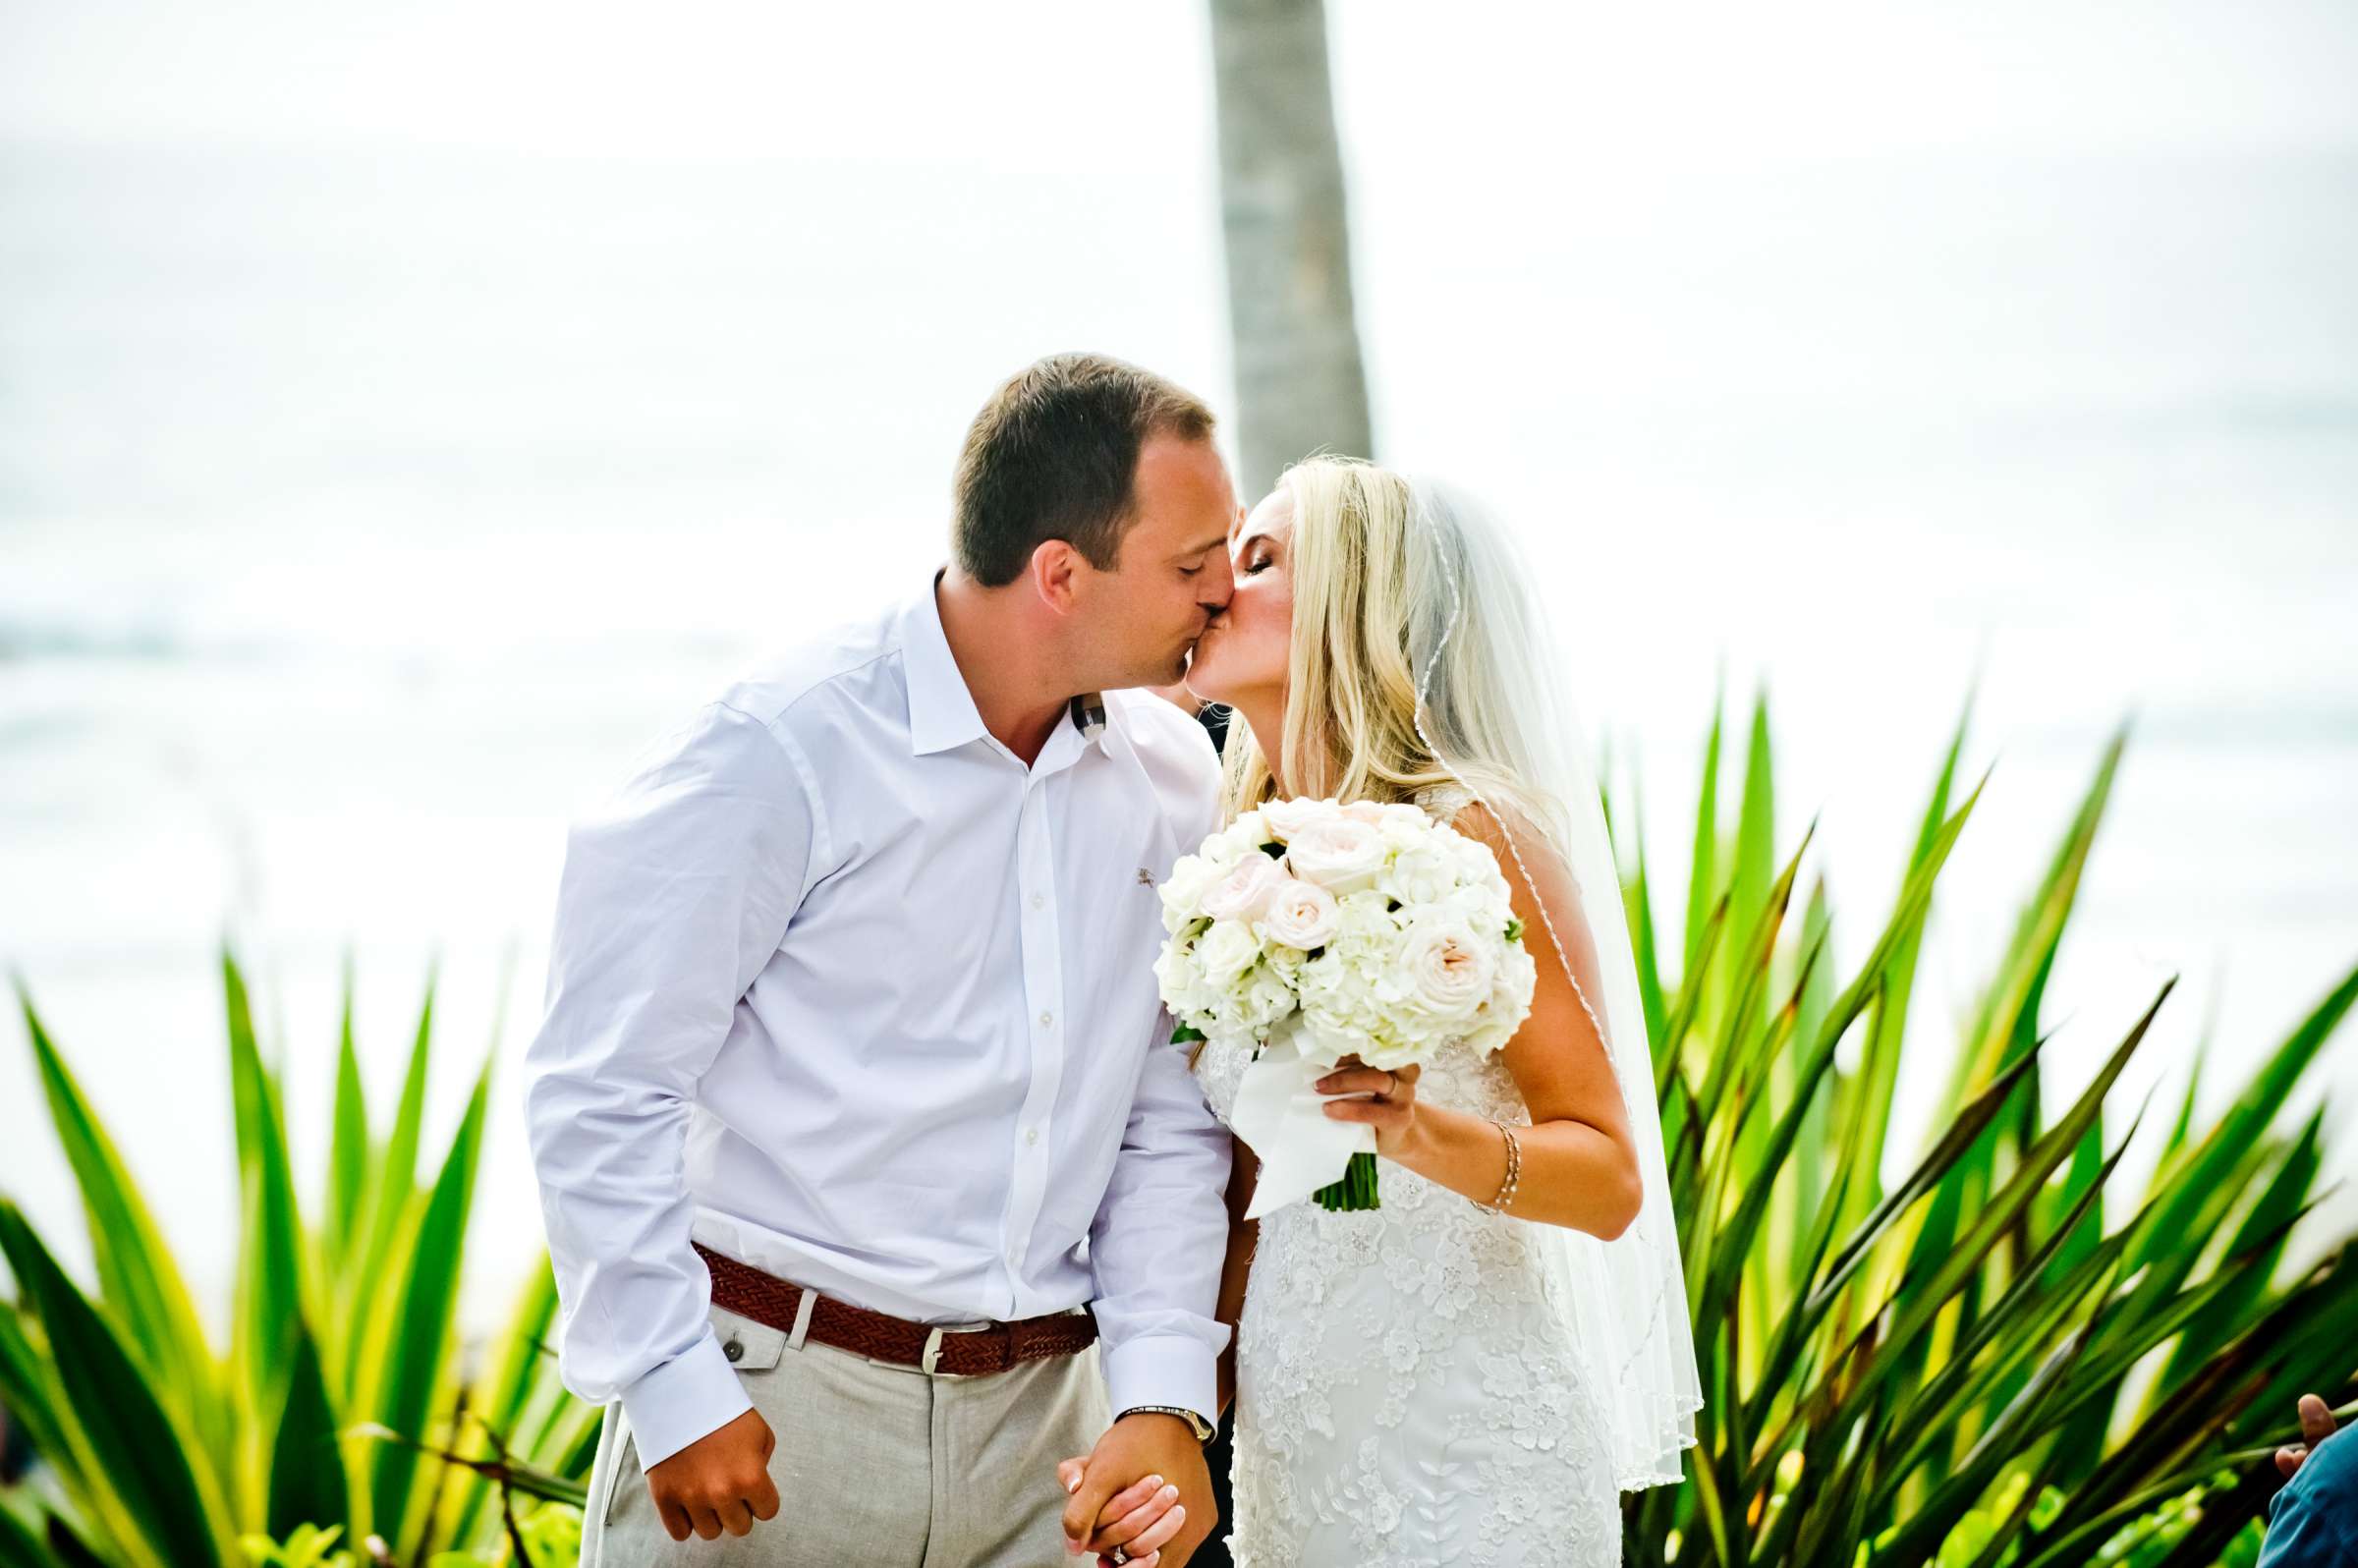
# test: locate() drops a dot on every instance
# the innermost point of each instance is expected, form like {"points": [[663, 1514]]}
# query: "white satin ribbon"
{"points": [[1280, 1115]]}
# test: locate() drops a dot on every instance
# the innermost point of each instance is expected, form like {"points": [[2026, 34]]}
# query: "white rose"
{"points": [[1229, 845], [1510, 1000], [1448, 969], [1246, 890], [1339, 855], [1183, 892], [1226, 951], [1301, 915], [1246, 835], [1283, 962], [1518, 979], [1289, 820]]}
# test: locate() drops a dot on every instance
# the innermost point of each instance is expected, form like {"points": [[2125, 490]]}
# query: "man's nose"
{"points": [[1220, 585]]}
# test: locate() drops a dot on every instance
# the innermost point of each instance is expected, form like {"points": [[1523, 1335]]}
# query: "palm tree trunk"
{"points": [[1299, 383]]}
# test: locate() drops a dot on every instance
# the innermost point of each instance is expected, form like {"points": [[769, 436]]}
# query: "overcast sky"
{"points": [[1019, 83]]}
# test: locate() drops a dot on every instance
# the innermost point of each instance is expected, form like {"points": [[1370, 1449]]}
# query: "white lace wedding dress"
{"points": [[1406, 1393]]}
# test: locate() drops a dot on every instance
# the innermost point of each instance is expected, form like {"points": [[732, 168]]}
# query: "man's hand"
{"points": [[1141, 1519], [720, 1481], [2317, 1425], [1104, 1512]]}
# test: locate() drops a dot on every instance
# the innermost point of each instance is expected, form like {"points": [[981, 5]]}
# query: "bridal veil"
{"points": [[1494, 708]]}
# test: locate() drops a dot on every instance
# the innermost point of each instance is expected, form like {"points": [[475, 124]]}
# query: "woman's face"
{"points": [[1242, 657]]}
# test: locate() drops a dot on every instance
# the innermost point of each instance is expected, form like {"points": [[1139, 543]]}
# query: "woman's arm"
{"points": [[1580, 1167], [1243, 1235]]}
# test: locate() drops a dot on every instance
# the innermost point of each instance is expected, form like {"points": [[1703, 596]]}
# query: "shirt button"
{"points": [[1032, 1137], [1039, 901], [1047, 1020]]}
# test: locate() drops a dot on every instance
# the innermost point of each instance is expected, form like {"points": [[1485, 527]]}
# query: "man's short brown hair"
{"points": [[1052, 455]]}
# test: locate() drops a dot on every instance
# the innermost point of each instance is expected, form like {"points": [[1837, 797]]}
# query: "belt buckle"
{"points": [[931, 1358]]}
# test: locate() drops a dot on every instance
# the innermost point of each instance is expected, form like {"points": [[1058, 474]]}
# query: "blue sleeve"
{"points": [[2312, 1523]]}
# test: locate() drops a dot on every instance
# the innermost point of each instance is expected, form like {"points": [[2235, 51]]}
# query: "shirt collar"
{"points": [[941, 711], [942, 715]]}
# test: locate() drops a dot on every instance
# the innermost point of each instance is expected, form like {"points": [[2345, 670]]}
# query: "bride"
{"points": [[1472, 1372]]}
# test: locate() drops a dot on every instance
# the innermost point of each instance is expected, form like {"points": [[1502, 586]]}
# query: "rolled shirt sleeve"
{"points": [[2313, 1522], [1159, 1241], [674, 897]]}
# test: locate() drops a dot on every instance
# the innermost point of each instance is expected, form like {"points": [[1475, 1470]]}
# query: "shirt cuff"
{"points": [[693, 1395], [1163, 1369]]}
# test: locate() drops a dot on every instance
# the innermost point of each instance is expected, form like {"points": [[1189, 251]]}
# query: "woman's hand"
{"points": [[1141, 1519], [1391, 1105]]}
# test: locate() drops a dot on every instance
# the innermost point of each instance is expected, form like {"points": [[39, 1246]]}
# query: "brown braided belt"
{"points": [[766, 1299]]}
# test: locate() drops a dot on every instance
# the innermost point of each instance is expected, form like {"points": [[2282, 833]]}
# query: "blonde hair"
{"points": [[1380, 591]]}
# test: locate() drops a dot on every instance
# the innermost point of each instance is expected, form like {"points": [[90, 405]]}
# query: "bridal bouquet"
{"points": [[1312, 931]]}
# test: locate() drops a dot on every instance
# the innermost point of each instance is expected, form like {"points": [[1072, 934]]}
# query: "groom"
{"points": [[858, 1142]]}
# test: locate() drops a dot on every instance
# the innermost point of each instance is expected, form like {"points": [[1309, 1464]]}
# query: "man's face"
{"points": [[1172, 572]]}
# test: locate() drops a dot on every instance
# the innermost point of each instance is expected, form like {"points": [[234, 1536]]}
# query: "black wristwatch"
{"points": [[1204, 1429]]}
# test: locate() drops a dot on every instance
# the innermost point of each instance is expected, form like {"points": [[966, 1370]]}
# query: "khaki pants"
{"points": [[876, 1465]]}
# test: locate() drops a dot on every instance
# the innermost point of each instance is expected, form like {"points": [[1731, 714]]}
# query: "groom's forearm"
{"points": [[642, 1335], [1159, 1242]]}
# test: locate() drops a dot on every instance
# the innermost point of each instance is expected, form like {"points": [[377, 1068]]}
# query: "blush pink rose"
{"points": [[1301, 915], [1246, 890]]}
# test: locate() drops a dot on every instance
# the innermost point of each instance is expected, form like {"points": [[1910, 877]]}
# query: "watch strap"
{"points": [[1204, 1429]]}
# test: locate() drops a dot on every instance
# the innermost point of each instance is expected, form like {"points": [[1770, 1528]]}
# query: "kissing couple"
{"points": [[890, 1224]]}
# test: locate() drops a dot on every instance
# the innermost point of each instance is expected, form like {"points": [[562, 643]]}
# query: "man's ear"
{"points": [[1055, 572]]}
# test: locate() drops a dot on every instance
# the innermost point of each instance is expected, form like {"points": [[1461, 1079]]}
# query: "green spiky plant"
{"points": [[2002, 1358], [339, 1400]]}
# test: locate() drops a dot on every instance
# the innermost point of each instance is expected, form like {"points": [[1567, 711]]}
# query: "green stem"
{"points": [[1355, 1193]]}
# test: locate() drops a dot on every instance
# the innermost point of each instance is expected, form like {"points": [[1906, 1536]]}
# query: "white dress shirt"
{"points": [[840, 988]]}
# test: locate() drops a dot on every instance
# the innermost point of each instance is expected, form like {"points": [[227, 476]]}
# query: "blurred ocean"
{"points": [[361, 514]]}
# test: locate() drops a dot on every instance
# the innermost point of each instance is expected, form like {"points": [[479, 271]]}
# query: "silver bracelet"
{"points": [[1514, 1172]]}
